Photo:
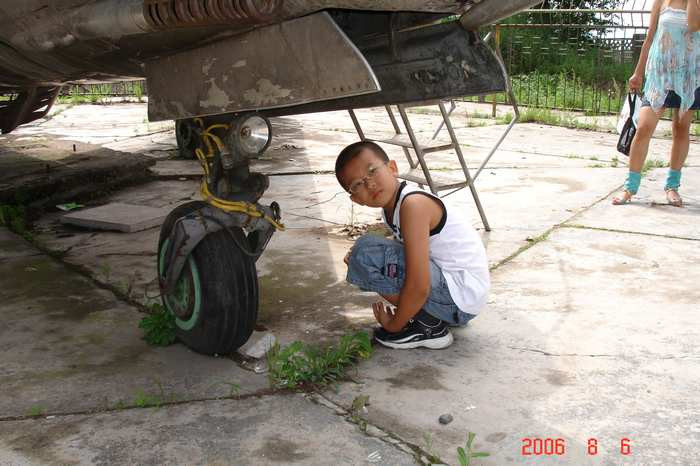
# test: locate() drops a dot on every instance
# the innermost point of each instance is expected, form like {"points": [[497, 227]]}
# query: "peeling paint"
{"points": [[216, 97], [266, 93], [240, 64]]}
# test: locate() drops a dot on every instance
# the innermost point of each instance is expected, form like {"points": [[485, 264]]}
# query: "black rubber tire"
{"points": [[186, 139], [229, 289]]}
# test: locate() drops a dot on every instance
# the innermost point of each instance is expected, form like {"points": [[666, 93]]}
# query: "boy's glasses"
{"points": [[360, 184]]}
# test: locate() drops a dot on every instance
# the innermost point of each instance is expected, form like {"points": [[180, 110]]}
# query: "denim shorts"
{"points": [[673, 100], [378, 264]]}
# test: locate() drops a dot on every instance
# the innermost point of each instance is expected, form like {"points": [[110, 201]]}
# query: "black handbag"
{"points": [[624, 144]]}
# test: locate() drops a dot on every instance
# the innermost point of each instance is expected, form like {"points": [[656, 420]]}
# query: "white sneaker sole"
{"points": [[433, 343]]}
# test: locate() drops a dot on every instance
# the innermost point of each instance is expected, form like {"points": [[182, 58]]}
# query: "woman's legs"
{"points": [[648, 119], [679, 152]]}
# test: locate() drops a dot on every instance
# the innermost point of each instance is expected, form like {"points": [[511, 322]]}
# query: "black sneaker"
{"points": [[423, 330]]}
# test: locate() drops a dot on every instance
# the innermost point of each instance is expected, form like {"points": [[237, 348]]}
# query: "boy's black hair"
{"points": [[352, 151]]}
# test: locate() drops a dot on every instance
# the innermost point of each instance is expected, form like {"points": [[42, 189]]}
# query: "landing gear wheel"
{"points": [[187, 138], [215, 301]]}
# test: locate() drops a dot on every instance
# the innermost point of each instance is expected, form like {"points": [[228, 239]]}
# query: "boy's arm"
{"points": [[416, 214], [694, 15]]}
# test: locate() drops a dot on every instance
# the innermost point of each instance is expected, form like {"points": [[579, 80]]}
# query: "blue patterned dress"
{"points": [[674, 62]]}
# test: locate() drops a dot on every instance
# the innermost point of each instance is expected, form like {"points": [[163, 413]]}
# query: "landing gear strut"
{"points": [[207, 250]]}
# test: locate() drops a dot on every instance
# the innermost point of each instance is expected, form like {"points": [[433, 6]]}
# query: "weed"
{"points": [[651, 164], [105, 270], [159, 326], [596, 165], [593, 158], [357, 410], [300, 364], [432, 457], [14, 217], [121, 404], [146, 400], [614, 162], [36, 411], [465, 455], [505, 119], [234, 388], [695, 130]]}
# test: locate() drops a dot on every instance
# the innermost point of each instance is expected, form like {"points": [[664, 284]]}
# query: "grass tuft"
{"points": [[465, 455], [159, 326], [299, 364]]}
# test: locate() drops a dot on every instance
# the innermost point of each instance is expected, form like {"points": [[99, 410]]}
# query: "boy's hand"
{"points": [[382, 313]]}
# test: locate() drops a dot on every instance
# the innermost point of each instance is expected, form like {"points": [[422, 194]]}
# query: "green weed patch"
{"points": [[300, 364]]}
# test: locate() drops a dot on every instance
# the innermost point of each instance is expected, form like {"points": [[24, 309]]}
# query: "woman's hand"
{"points": [[346, 259], [635, 82]]}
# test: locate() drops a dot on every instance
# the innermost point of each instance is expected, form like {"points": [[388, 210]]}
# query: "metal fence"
{"points": [[574, 58]]}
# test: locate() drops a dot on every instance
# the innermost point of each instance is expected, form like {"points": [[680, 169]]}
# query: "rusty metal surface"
{"points": [[300, 61], [165, 14]]}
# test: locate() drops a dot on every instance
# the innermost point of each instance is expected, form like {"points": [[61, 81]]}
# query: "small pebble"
{"points": [[446, 419]]}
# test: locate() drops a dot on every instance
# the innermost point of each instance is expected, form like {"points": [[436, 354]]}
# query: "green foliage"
{"points": [[651, 164], [14, 218], [300, 364], [36, 411], [159, 327], [146, 400], [465, 455]]}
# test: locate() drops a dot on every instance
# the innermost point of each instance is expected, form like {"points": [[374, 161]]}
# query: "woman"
{"points": [[670, 62]]}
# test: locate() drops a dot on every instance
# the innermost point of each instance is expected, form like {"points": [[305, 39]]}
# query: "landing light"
{"points": [[253, 135]]}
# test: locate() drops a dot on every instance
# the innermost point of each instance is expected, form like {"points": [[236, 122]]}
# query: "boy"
{"points": [[436, 273]]}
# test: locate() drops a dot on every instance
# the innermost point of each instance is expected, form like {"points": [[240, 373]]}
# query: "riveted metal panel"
{"points": [[300, 61]]}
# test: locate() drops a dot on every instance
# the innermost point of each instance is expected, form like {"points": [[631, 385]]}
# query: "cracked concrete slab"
{"points": [[649, 212], [282, 429], [70, 346], [580, 340], [585, 335]]}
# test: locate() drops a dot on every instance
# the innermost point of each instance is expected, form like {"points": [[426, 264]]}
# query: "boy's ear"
{"points": [[393, 167]]}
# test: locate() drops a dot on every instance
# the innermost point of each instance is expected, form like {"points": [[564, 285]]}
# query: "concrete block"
{"points": [[118, 216]]}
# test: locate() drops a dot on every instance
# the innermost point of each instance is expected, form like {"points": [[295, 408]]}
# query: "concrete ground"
{"points": [[589, 332]]}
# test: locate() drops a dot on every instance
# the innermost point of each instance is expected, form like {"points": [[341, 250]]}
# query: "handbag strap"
{"points": [[631, 101]]}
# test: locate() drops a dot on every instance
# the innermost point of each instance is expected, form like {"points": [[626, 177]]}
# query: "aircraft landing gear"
{"points": [[207, 250]]}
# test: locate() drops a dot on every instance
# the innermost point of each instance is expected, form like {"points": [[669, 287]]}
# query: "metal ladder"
{"points": [[423, 148], [419, 171]]}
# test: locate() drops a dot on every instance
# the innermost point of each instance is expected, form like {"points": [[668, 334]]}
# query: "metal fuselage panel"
{"points": [[54, 42]]}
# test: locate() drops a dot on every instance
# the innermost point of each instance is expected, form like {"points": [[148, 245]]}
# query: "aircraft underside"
{"points": [[221, 69]]}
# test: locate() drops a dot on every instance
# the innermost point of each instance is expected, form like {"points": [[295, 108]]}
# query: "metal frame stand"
{"points": [[409, 141]]}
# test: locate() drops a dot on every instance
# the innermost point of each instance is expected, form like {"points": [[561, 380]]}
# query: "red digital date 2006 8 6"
{"points": [[557, 446]]}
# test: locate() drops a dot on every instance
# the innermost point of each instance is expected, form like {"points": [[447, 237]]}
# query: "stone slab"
{"points": [[649, 212], [268, 430], [117, 216], [69, 346], [580, 340]]}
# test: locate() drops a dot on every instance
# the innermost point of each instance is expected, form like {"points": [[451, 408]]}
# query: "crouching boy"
{"points": [[435, 272]]}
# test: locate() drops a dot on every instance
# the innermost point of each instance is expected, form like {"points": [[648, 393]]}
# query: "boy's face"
{"points": [[370, 180]]}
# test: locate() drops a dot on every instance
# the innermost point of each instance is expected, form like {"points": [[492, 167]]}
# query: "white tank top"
{"points": [[456, 248]]}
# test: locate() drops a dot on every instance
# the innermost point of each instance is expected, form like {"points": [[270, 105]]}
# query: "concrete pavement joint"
{"points": [[613, 230], [544, 236], [564, 355], [86, 412], [420, 455]]}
